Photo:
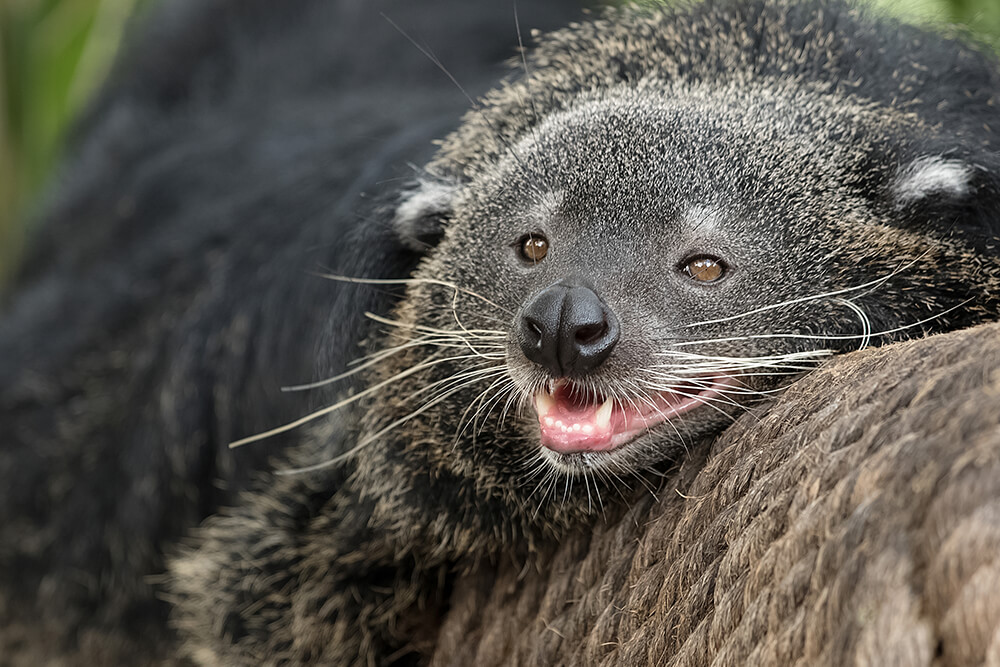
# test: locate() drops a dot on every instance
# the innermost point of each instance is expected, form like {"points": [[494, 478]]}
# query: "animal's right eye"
{"points": [[532, 248], [704, 269]]}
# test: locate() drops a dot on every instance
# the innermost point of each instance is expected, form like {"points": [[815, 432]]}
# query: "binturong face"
{"points": [[632, 273]]}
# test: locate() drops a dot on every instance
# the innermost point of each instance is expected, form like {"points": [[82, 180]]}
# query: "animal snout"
{"points": [[567, 329]]}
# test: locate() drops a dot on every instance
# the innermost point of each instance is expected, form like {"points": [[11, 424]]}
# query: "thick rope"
{"points": [[857, 522]]}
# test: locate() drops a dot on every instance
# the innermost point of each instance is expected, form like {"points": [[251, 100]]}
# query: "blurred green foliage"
{"points": [[979, 19], [54, 53]]}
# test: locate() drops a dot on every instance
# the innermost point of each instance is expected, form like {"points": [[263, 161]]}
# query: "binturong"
{"points": [[660, 219]]}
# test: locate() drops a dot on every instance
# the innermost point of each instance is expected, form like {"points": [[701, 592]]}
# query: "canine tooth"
{"points": [[549, 421], [603, 418], [543, 402]]}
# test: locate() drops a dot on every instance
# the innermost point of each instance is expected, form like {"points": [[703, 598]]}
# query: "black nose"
{"points": [[567, 329]]}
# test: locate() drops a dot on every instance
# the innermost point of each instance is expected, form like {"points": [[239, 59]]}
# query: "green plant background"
{"points": [[54, 53]]}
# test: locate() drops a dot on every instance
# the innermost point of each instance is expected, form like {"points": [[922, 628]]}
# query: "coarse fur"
{"points": [[843, 167], [169, 292]]}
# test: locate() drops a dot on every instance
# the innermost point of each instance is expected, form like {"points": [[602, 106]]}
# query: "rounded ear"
{"points": [[423, 212], [952, 195]]}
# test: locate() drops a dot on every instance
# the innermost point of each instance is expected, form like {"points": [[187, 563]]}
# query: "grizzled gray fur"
{"points": [[651, 227], [841, 169]]}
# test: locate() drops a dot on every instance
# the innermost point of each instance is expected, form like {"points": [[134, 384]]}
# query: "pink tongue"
{"points": [[569, 428]]}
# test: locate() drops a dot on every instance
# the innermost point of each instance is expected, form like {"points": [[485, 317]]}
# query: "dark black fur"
{"points": [[811, 188], [166, 297]]}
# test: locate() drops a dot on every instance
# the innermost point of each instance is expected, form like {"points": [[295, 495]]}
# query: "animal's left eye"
{"points": [[532, 248], [704, 269]]}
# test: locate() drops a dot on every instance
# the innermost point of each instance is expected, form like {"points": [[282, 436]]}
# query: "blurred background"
{"points": [[55, 53]]}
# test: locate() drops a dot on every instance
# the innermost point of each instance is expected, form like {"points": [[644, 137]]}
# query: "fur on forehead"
{"points": [[729, 40]]}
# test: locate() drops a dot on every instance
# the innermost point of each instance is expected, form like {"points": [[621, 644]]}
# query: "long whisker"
{"points": [[483, 413], [478, 400], [511, 399], [649, 401], [487, 401], [677, 385], [443, 385], [375, 436], [710, 367], [372, 359], [340, 404], [495, 334], [862, 336], [708, 401], [479, 315], [866, 323], [762, 360], [458, 320], [814, 297], [411, 281]]}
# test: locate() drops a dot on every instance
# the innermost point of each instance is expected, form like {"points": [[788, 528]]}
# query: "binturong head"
{"points": [[668, 216]]}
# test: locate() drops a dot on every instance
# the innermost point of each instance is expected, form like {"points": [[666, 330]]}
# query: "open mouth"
{"points": [[572, 422]]}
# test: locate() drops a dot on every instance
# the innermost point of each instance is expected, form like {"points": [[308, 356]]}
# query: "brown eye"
{"points": [[532, 248], [705, 269]]}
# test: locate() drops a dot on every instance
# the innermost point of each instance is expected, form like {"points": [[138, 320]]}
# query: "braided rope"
{"points": [[856, 522]]}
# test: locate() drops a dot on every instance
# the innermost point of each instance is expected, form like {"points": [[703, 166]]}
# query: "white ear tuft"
{"points": [[931, 175], [419, 215], [431, 198]]}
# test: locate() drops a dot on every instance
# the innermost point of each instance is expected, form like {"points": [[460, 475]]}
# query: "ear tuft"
{"points": [[932, 175], [422, 213]]}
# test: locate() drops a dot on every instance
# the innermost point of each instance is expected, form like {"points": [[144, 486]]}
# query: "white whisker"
{"points": [[370, 360], [495, 334], [373, 437], [815, 297], [340, 404], [866, 324], [862, 336], [412, 281]]}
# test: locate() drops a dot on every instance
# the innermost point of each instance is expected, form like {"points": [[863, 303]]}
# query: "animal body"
{"points": [[659, 218], [665, 213]]}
